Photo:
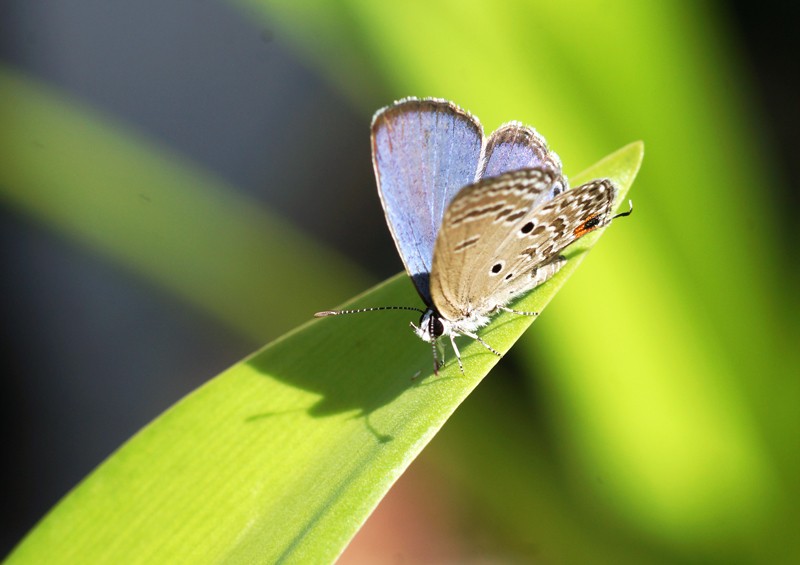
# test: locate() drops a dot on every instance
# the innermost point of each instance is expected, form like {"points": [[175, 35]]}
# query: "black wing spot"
{"points": [[591, 223], [497, 268], [527, 228]]}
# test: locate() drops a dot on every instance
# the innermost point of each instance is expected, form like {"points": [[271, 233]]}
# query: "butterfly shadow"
{"points": [[356, 363]]}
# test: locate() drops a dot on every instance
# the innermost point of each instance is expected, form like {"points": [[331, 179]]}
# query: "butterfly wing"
{"points": [[423, 152], [496, 242], [515, 146]]}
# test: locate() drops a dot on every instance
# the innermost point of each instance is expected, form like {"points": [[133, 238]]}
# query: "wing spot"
{"points": [[559, 224], [503, 213], [516, 216], [477, 214], [466, 243], [527, 228], [496, 268], [588, 225]]}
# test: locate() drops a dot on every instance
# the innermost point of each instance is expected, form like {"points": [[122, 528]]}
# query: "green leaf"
{"points": [[283, 456]]}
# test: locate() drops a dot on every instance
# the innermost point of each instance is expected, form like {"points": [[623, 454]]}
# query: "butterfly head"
{"points": [[431, 326]]}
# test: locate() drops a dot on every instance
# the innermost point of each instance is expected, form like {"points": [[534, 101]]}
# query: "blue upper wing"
{"points": [[424, 152], [514, 146]]}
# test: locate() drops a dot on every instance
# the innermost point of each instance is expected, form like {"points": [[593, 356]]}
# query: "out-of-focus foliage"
{"points": [[153, 213]]}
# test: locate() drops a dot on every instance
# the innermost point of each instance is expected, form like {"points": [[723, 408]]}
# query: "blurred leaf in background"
{"points": [[672, 436]]}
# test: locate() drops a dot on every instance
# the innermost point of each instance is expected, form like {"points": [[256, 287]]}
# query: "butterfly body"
{"points": [[477, 222]]}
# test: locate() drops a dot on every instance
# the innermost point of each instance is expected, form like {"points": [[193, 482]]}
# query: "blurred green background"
{"points": [[165, 165]]}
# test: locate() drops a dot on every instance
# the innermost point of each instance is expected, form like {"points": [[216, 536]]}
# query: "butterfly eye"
{"points": [[437, 327]]}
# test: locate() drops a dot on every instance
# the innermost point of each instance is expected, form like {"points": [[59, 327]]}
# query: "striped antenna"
{"points": [[623, 214], [359, 310]]}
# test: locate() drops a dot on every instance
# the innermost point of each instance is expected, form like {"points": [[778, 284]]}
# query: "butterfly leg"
{"points": [[436, 363], [477, 338], [438, 356], [519, 312], [457, 352]]}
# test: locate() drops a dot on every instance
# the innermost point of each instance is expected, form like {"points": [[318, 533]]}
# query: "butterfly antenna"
{"points": [[623, 214], [325, 313]]}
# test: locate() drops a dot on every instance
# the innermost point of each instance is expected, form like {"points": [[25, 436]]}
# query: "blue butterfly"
{"points": [[477, 221]]}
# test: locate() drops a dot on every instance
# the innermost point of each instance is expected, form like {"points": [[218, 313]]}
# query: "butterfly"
{"points": [[478, 222]]}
